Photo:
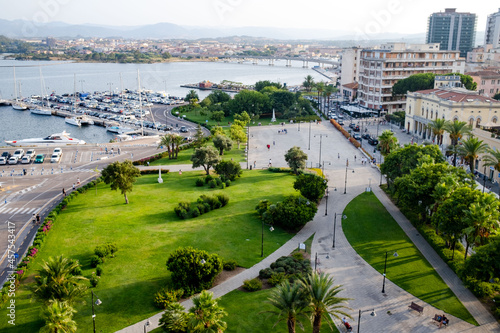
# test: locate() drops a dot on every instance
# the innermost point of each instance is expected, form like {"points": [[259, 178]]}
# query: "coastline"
{"points": [[78, 60]]}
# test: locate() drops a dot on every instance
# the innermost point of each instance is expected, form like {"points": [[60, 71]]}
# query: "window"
{"points": [[492, 91], [483, 82], [492, 81], [471, 121], [478, 122]]}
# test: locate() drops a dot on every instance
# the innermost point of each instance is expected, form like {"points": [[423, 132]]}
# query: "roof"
{"points": [[484, 74], [352, 85], [457, 96]]}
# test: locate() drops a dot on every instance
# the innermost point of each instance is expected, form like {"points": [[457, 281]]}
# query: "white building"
{"points": [[492, 33]]}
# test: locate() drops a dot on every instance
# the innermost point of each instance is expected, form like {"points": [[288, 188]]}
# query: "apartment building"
{"points": [[488, 82], [381, 68], [492, 32]]}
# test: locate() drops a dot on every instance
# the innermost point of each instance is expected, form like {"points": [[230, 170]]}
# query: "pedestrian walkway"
{"points": [[360, 281]]}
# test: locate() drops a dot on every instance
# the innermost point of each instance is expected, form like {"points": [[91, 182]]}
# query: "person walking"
{"points": [[270, 163], [64, 192], [268, 147]]}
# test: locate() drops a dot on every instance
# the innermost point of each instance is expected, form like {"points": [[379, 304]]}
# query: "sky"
{"points": [[361, 16]]}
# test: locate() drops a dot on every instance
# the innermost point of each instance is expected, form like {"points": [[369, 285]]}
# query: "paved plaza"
{"points": [[360, 281]]}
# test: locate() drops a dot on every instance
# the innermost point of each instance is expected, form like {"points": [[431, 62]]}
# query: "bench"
{"points": [[416, 307]]}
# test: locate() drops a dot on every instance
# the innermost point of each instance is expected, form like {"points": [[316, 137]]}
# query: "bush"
{"points": [[212, 184], [223, 186], [101, 251], [208, 178], [200, 182], [252, 285], [98, 270], [230, 265], [201, 208], [165, 296], [95, 260], [298, 255], [218, 181], [94, 281], [311, 186], [228, 183], [291, 214], [276, 278], [112, 248], [223, 199], [195, 212]]}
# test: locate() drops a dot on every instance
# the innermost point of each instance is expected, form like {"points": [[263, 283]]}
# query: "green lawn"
{"points": [[146, 231], [372, 231], [184, 157]]}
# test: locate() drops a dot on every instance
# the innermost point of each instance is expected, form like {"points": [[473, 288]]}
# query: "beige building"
{"points": [[488, 82], [381, 68], [449, 102], [349, 70]]}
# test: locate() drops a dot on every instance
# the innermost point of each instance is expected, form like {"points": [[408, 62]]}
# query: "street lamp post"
{"points": [[385, 268], [97, 302], [320, 139], [310, 122], [373, 314], [326, 201], [146, 324], [335, 226], [380, 161], [262, 244], [346, 168]]}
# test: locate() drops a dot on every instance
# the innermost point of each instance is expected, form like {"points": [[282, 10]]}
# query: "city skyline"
{"points": [[393, 16]]}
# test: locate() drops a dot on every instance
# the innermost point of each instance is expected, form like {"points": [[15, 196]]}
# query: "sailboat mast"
{"points": [[140, 102], [15, 84], [74, 92]]}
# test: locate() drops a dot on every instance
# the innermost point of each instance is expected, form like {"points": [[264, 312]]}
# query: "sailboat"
{"points": [[77, 120], [18, 105], [43, 110]]}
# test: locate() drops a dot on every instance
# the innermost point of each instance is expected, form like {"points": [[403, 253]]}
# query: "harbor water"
{"points": [[59, 78]]}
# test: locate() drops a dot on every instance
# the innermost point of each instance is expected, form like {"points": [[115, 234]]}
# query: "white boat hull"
{"points": [[58, 139], [73, 121], [19, 107], [42, 112]]}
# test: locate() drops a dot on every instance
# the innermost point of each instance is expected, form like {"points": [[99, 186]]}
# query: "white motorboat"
{"points": [[4, 102], [51, 140], [119, 129], [85, 120], [73, 121], [19, 106]]}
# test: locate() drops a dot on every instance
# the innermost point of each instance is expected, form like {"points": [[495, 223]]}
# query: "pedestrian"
{"points": [[338, 155], [37, 218], [73, 186], [274, 143], [180, 172], [354, 158], [268, 147], [106, 150], [119, 151], [270, 163], [34, 218], [78, 181], [64, 192], [147, 163], [254, 164]]}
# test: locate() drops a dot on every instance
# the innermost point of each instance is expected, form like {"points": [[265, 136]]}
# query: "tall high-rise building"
{"points": [[492, 35], [453, 31]]}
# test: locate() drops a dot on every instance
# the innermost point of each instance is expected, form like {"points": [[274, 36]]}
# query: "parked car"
{"points": [[6, 155], [19, 153], [184, 129], [55, 158], [355, 128], [365, 136], [357, 136], [26, 159], [30, 153], [341, 122], [57, 151], [13, 160], [3, 160], [373, 141], [39, 158]]}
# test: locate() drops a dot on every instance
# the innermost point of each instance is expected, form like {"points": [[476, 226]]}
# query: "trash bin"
{"points": [[250, 167]]}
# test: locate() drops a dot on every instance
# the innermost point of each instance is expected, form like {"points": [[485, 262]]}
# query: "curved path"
{"points": [[360, 281]]}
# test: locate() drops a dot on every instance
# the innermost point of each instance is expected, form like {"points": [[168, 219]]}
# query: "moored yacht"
{"points": [[42, 111], [73, 121], [51, 140]]}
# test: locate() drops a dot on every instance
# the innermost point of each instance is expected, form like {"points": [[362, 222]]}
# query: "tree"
{"points": [[290, 302], [198, 137], [193, 270], [238, 134], [296, 159], [387, 142], [437, 127], [291, 214], [174, 319], [497, 96], [218, 116], [320, 87], [229, 169], [484, 264], [177, 140], [218, 96], [470, 150], [245, 100], [222, 143], [266, 83], [456, 130], [282, 100], [121, 175], [308, 83], [244, 117], [329, 90], [466, 80], [412, 83], [205, 157], [58, 317], [166, 141], [191, 95], [206, 314], [216, 130], [56, 281], [321, 293], [311, 186], [492, 159]]}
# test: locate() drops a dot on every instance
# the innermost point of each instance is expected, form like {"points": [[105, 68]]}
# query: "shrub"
{"points": [[218, 181], [252, 285], [223, 186], [200, 182], [228, 183], [94, 281], [276, 278], [112, 248], [310, 186], [223, 199], [212, 184], [101, 251], [298, 255], [95, 260], [201, 208], [165, 296], [230, 265], [207, 207], [195, 212], [98, 270], [186, 205], [208, 178]]}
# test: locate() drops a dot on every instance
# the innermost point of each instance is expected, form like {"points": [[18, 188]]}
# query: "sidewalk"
{"points": [[359, 280]]}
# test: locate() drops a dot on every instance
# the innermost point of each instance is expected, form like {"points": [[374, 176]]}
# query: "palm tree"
{"points": [[174, 319], [493, 159], [323, 300], [308, 83], [482, 218], [470, 150], [57, 282], [290, 302], [456, 130], [58, 318], [206, 315], [437, 127], [387, 142], [166, 141], [320, 86], [177, 141], [328, 93]]}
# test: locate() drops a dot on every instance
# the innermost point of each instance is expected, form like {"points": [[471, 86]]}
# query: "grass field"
{"points": [[146, 231], [372, 231]]}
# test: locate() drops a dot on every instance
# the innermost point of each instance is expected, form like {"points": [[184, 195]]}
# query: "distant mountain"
{"points": [[27, 29]]}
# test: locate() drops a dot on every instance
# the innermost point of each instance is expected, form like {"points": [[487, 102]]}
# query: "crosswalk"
{"points": [[19, 211]]}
